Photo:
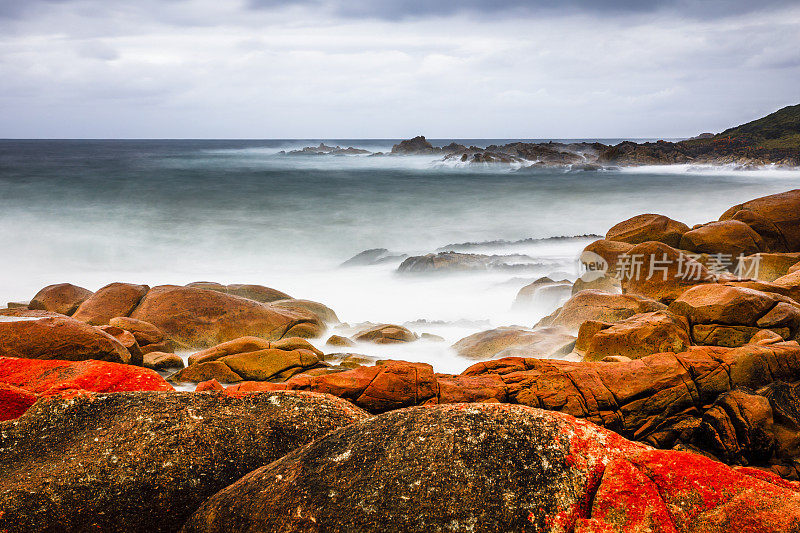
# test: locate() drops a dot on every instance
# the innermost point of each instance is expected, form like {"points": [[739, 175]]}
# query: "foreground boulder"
{"points": [[26, 380], [767, 267], [59, 338], [648, 227], [325, 313], [202, 318], [115, 299], [494, 468], [514, 340], [145, 461], [63, 298]]}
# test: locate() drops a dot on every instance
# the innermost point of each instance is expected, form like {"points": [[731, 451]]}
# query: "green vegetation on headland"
{"points": [[774, 139]]}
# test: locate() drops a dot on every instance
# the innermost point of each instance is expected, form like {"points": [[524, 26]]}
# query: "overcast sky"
{"points": [[393, 69]]}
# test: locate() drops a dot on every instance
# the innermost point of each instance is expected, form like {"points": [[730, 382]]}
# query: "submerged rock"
{"points": [[516, 341], [373, 256], [385, 334]]}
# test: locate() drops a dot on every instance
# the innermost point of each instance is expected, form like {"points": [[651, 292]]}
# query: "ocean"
{"points": [[90, 212]]}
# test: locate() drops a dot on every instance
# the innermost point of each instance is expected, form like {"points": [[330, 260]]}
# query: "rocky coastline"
{"points": [[663, 395], [771, 141]]}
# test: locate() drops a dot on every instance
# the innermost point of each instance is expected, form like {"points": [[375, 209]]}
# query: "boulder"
{"points": [[258, 293], [600, 283], [325, 313], [731, 238], [608, 251], [240, 345], [649, 227], [269, 364], [162, 360], [488, 468], [145, 461], [116, 299], [23, 381], [779, 212], [638, 336], [722, 304], [385, 334], [126, 339], [59, 338], [144, 332], [598, 305], [661, 272], [379, 388], [544, 343], [205, 371], [543, 293], [63, 298], [765, 266], [338, 340], [202, 318]]}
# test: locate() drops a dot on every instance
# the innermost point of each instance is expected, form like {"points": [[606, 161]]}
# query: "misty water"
{"points": [[156, 212]]}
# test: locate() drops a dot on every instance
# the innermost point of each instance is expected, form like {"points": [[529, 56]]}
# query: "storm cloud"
{"points": [[336, 69]]}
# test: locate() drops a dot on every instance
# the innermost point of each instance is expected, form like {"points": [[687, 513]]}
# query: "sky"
{"points": [[351, 69]]}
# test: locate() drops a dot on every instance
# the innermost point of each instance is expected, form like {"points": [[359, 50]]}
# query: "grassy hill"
{"points": [[778, 130]]}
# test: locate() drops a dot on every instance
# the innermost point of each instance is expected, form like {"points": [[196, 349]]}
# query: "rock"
{"points": [[116, 299], [59, 338], [126, 339], [374, 256], [640, 335], [202, 318], [63, 298], [766, 267], [431, 337], [608, 251], [355, 360], [385, 334], [602, 283], [721, 304], [461, 262], [268, 364], [780, 211], [649, 227], [416, 146], [378, 388], [765, 337], [719, 335], [661, 272], [209, 386], [205, 371], [325, 313], [145, 461], [488, 468], [23, 381], [543, 343], [597, 305], [258, 293], [338, 340], [162, 360], [240, 345], [14, 401], [616, 359], [544, 293], [144, 332], [794, 268], [729, 237]]}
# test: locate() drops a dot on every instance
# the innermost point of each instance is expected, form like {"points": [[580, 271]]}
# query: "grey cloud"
{"points": [[403, 9]]}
